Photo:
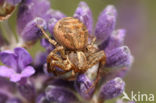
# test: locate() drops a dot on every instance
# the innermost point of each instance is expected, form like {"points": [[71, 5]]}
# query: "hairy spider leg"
{"points": [[92, 60], [54, 59], [53, 42]]}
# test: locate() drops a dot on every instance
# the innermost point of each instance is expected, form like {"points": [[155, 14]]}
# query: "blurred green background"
{"points": [[139, 18]]}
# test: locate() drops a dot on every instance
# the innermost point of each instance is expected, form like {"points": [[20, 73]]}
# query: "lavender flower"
{"points": [[28, 17], [112, 88], [60, 95], [119, 57], [31, 31], [8, 91], [40, 87], [106, 23], [84, 14], [3, 98], [27, 90], [13, 100], [83, 85], [42, 99], [17, 64]]}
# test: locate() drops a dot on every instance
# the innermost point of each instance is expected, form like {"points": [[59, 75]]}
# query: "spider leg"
{"points": [[61, 64], [93, 40], [92, 60], [95, 58], [53, 42], [53, 56], [55, 60]]}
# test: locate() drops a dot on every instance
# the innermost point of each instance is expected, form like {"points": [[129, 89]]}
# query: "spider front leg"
{"points": [[55, 60], [53, 42], [95, 58], [61, 64], [92, 60]]}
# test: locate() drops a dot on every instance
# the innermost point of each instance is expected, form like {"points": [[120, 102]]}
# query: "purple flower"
{"points": [[31, 31], [106, 23], [45, 43], [112, 89], [16, 64], [60, 95], [116, 40], [27, 90], [42, 99], [3, 98], [31, 12], [40, 59], [50, 14], [83, 86], [119, 57], [84, 14], [13, 100], [42, 88]]}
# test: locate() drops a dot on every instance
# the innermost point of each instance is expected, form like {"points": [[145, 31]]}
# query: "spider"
{"points": [[74, 49]]}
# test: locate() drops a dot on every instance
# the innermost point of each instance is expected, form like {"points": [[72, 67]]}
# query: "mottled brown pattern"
{"points": [[71, 33], [73, 52]]}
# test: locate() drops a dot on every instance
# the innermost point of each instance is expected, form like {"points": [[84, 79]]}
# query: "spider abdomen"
{"points": [[71, 33]]}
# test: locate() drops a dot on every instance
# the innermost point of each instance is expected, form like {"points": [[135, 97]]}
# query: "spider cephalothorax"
{"points": [[73, 52]]}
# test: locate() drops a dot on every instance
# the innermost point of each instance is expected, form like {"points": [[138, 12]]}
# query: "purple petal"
{"points": [[3, 98], [112, 89], [9, 58], [60, 95], [31, 31], [84, 14], [28, 71], [119, 57], [40, 58], [82, 85], [41, 99], [6, 72], [116, 40], [23, 56], [6, 84], [45, 43], [24, 15], [40, 8], [51, 24], [54, 14], [106, 23], [29, 10], [13, 2], [28, 91], [15, 77], [13, 100]]}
